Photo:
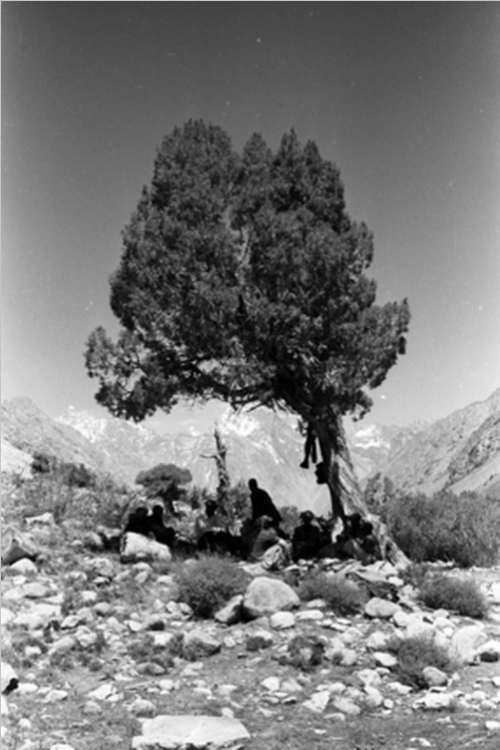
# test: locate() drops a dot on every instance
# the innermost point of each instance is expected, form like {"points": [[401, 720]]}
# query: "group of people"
{"points": [[261, 539]]}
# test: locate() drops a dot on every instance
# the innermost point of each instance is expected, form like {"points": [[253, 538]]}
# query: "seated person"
{"points": [[163, 534], [307, 538], [211, 531], [139, 521], [269, 548], [369, 542]]}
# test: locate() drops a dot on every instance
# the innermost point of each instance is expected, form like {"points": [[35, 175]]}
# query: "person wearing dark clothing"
{"points": [[310, 451], [262, 505], [139, 522], [307, 538], [163, 534]]}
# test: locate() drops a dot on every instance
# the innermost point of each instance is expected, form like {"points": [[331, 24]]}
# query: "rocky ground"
{"points": [[102, 655]]}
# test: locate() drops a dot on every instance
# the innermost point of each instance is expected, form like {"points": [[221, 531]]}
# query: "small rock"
{"points": [[436, 701], [271, 683], [258, 639], [25, 567], [492, 726], [318, 702], [282, 620], [377, 641], [198, 643], [103, 692], [61, 746], [380, 608], [346, 706], [369, 677], [434, 677], [489, 651], [230, 614], [142, 707], [373, 698], [55, 696], [309, 615], [383, 659]]}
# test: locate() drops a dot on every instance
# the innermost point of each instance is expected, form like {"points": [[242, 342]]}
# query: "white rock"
{"points": [[318, 702], [231, 612], [369, 677], [492, 726], [103, 692], [138, 548], [265, 596], [346, 706], [380, 608], [377, 641], [282, 620], [383, 659], [436, 701], [271, 683], [373, 697], [465, 643], [434, 677], [25, 567], [194, 731]]}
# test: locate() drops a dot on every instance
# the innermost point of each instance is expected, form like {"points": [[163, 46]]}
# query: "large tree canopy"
{"points": [[243, 278]]}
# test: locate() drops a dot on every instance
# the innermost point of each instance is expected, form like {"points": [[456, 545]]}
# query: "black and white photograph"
{"points": [[250, 375]]}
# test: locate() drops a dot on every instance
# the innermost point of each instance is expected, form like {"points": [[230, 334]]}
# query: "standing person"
{"points": [[262, 505]]}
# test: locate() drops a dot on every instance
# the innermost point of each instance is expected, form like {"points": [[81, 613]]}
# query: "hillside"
{"points": [[459, 452]]}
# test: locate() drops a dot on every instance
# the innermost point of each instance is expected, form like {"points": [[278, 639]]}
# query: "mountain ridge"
{"points": [[460, 452]]}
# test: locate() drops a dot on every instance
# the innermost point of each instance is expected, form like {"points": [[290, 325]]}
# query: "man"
{"points": [[262, 505], [307, 539]]}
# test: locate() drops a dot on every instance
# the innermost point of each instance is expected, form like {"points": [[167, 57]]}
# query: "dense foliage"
{"points": [[462, 529], [243, 278]]}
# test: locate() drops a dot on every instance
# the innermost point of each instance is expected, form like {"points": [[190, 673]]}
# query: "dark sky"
{"points": [[404, 97]]}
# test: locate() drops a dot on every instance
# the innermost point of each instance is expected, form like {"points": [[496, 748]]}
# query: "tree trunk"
{"points": [[338, 471], [345, 494]]}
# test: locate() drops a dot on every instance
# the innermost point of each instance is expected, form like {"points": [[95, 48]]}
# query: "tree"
{"points": [[243, 278], [164, 481]]}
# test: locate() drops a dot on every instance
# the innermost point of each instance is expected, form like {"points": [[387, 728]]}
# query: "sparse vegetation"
{"points": [[456, 594], [416, 653], [343, 596], [207, 584]]}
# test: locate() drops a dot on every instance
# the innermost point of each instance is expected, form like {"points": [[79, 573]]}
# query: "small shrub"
{"points": [[459, 595], [343, 596], [416, 653], [207, 584]]}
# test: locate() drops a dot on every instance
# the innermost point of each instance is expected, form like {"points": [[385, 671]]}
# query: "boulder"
{"points": [[193, 731], [380, 608], [265, 596], [465, 643], [137, 548]]}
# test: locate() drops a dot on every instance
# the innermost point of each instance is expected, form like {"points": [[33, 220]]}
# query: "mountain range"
{"points": [[460, 452]]}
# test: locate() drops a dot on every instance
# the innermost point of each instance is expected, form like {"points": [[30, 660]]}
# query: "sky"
{"points": [[404, 97]]}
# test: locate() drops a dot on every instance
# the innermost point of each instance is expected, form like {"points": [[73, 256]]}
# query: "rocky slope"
{"points": [[105, 653], [460, 452]]}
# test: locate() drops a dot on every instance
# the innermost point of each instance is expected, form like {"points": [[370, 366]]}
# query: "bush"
{"points": [[416, 653], [459, 595], [341, 595], [464, 530], [207, 584]]}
